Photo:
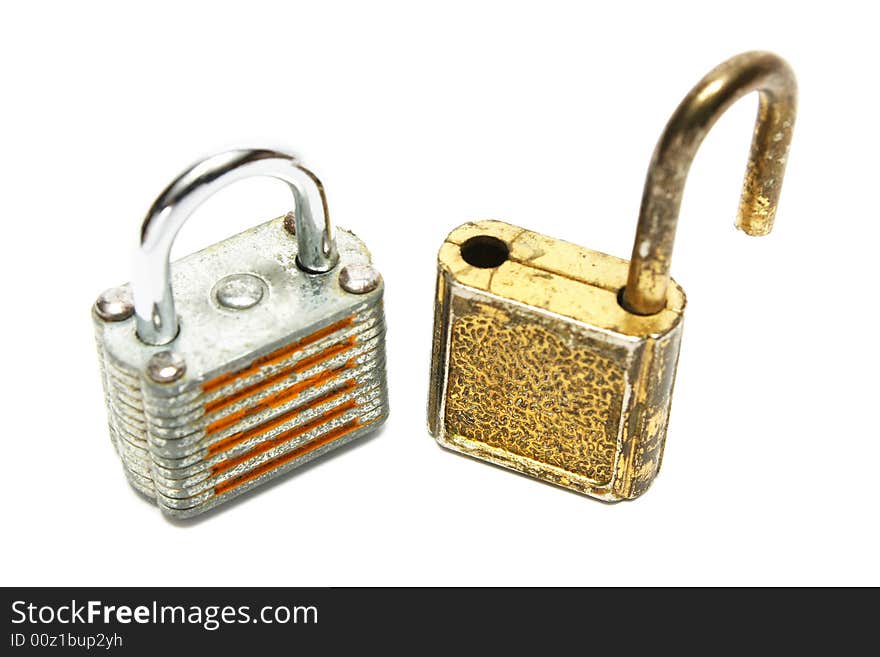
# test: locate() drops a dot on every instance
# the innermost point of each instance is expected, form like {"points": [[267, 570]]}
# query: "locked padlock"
{"points": [[269, 353], [558, 361]]}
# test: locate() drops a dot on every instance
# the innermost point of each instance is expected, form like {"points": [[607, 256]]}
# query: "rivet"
{"points": [[115, 304], [359, 279], [166, 367], [290, 223]]}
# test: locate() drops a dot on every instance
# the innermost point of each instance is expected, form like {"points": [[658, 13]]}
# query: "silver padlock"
{"points": [[269, 353]]}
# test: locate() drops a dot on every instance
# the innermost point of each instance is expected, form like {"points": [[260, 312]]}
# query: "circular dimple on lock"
{"points": [[239, 291]]}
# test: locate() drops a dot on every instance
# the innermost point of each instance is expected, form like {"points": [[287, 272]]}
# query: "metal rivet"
{"points": [[239, 291], [290, 223], [115, 304], [166, 367], [359, 279]]}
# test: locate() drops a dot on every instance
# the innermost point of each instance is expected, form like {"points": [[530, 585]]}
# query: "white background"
{"points": [[418, 119]]}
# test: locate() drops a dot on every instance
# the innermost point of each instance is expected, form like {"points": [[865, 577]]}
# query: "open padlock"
{"points": [[269, 353], [558, 361]]}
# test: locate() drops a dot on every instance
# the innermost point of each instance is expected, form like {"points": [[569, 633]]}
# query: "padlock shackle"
{"points": [[773, 79], [156, 317]]}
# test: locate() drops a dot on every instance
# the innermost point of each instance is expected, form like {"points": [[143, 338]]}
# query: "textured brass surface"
{"points": [[561, 400], [536, 367], [773, 79]]}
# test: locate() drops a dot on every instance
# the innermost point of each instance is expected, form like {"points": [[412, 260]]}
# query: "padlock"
{"points": [[558, 361], [269, 353]]}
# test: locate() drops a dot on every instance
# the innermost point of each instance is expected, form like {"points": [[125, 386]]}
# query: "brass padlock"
{"points": [[270, 352], [558, 361]]}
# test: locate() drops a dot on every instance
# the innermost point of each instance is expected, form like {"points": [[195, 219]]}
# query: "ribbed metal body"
{"points": [[266, 389]]}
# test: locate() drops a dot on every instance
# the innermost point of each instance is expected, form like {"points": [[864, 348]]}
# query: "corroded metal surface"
{"points": [[537, 368], [775, 83], [558, 361], [266, 388], [561, 399]]}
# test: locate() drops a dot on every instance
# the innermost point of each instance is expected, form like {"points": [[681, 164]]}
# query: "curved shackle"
{"points": [[773, 79], [156, 317]]}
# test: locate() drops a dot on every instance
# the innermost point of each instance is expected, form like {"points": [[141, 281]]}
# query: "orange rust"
{"points": [[275, 400], [324, 356], [273, 423], [283, 396], [284, 437], [259, 386], [232, 418], [283, 353], [276, 356], [337, 433]]}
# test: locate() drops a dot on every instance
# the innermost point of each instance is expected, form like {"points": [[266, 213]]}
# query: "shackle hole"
{"points": [[485, 252], [621, 301]]}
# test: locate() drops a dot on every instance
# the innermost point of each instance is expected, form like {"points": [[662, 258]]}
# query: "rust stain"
{"points": [[284, 437], [276, 356], [337, 433], [277, 399], [259, 386], [273, 423]]}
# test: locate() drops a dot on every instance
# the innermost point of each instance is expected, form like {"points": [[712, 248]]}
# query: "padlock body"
{"points": [[536, 366], [266, 388]]}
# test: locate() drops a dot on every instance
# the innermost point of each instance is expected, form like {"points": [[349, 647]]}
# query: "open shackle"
{"points": [[157, 321], [773, 79]]}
